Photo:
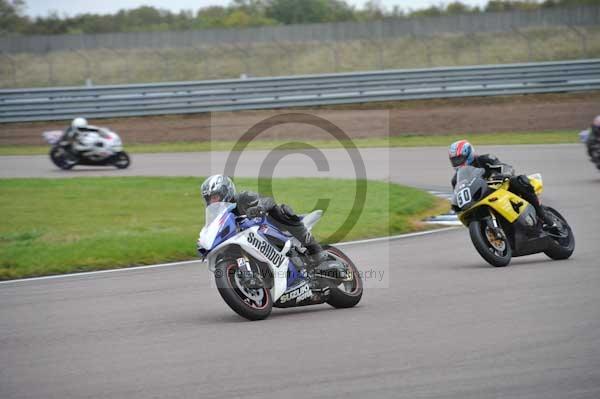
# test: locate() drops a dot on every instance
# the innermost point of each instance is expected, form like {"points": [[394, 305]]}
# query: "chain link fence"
{"points": [[489, 38]]}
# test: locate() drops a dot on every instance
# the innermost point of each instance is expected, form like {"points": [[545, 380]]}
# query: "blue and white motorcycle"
{"points": [[237, 247]]}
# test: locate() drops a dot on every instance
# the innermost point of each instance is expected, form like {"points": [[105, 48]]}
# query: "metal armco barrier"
{"points": [[22, 105]]}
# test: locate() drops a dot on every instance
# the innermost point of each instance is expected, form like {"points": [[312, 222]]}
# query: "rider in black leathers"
{"points": [[221, 188], [519, 185], [593, 141]]}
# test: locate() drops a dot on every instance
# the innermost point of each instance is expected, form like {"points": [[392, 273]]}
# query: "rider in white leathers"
{"points": [[80, 135]]}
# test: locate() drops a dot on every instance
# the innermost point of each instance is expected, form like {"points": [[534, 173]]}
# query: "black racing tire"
{"points": [[560, 248], [234, 295], [59, 160], [122, 160], [339, 298], [485, 249]]}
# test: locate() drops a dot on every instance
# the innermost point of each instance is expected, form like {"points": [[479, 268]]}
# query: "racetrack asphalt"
{"points": [[441, 323]]}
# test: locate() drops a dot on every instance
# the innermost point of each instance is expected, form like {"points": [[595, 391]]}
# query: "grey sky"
{"points": [[73, 7]]}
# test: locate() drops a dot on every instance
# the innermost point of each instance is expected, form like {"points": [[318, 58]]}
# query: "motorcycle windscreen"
{"points": [[470, 187], [215, 222]]}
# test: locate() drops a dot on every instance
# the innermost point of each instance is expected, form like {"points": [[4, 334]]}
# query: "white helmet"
{"points": [[79, 123], [596, 121]]}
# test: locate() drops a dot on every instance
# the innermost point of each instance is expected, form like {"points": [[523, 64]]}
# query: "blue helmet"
{"points": [[461, 153]]}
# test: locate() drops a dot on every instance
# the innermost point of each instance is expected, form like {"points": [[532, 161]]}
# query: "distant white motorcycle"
{"points": [[97, 146]]}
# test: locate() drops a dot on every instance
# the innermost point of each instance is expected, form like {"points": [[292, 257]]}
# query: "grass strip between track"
{"points": [[83, 224], [557, 137]]}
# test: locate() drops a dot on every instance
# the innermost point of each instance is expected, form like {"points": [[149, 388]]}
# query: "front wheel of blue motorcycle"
{"points": [[252, 304], [348, 292]]}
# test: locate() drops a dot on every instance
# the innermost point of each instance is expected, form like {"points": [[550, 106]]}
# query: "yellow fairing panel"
{"points": [[501, 201]]}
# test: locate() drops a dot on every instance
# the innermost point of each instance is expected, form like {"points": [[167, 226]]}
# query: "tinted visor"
{"points": [[458, 160], [214, 197]]}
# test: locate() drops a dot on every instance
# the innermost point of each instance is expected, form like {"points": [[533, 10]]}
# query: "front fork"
{"points": [[496, 228], [493, 218]]}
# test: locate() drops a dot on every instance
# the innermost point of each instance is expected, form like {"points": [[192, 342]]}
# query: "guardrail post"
{"points": [[583, 37], [13, 65], [205, 61], [528, 40], [88, 68]]}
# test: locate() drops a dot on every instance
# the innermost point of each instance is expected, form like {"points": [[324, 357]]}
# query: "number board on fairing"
{"points": [[463, 197]]}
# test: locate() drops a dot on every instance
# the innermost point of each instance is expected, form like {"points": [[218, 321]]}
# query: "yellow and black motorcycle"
{"points": [[502, 224]]}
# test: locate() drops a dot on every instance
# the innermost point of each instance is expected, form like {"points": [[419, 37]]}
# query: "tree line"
{"points": [[239, 13]]}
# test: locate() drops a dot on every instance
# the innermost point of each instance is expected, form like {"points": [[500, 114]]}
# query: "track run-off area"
{"points": [[441, 323]]}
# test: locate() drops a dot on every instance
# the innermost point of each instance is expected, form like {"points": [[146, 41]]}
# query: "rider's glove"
{"points": [[255, 211]]}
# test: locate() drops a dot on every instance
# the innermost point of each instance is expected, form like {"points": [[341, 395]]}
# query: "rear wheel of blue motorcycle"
{"points": [[348, 293], [253, 304]]}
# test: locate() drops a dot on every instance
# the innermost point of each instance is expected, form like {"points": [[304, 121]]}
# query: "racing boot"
{"points": [[322, 265], [525, 190], [549, 225], [317, 260], [315, 255]]}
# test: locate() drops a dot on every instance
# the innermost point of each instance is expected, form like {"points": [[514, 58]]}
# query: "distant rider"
{"points": [[595, 128], [593, 140], [462, 153], [76, 132], [220, 188]]}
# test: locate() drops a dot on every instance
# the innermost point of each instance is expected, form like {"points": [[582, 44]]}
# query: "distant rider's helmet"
{"points": [[596, 123], [218, 188], [461, 153], [79, 123]]}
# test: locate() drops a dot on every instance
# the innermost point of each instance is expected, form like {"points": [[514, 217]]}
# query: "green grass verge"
{"points": [[557, 137], [82, 224]]}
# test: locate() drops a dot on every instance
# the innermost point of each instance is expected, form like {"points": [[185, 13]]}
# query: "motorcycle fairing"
{"points": [[219, 227], [505, 203], [508, 205], [527, 237]]}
